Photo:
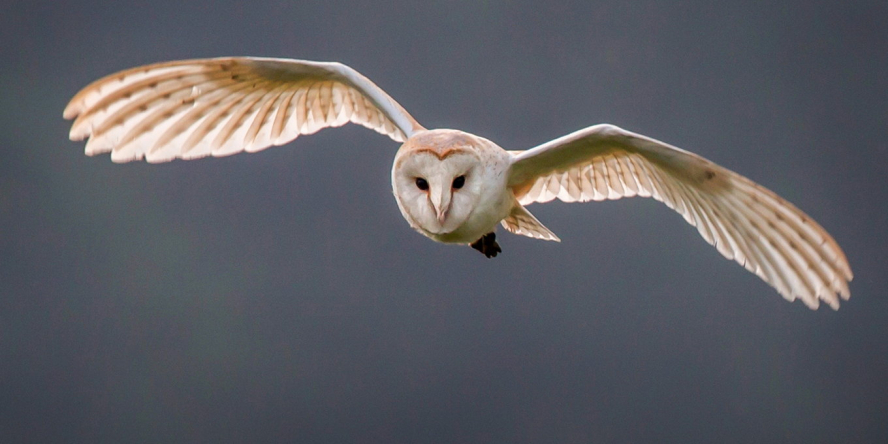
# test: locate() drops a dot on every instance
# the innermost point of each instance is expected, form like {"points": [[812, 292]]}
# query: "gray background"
{"points": [[280, 296]]}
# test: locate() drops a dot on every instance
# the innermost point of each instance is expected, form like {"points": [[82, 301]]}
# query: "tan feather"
{"points": [[520, 221], [744, 221], [194, 108]]}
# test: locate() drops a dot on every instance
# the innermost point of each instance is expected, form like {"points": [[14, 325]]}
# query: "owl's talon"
{"points": [[487, 245]]}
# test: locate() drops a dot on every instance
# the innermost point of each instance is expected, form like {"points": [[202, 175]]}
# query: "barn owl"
{"points": [[452, 186]]}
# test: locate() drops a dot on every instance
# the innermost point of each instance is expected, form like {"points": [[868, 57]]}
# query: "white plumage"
{"points": [[196, 108], [450, 185]]}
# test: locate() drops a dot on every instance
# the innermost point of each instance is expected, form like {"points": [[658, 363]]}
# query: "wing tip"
{"points": [[72, 110], [813, 301]]}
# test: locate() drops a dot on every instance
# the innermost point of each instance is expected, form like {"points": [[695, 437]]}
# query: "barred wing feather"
{"points": [[195, 108], [744, 221]]}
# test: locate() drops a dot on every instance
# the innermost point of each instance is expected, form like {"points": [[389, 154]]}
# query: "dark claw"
{"points": [[487, 245]]}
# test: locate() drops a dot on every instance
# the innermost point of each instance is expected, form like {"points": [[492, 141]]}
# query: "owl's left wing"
{"points": [[195, 108], [744, 221]]}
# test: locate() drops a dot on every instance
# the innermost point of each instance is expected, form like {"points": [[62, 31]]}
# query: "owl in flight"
{"points": [[452, 186]]}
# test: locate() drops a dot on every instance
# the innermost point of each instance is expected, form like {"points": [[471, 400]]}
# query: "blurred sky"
{"points": [[280, 296]]}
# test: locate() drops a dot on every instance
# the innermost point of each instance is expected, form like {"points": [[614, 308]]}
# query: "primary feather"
{"points": [[743, 220], [196, 108]]}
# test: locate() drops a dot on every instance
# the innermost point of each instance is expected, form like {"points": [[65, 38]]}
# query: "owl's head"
{"points": [[437, 180]]}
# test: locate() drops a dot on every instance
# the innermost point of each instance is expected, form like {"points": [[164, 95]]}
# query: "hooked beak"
{"points": [[441, 202], [441, 216]]}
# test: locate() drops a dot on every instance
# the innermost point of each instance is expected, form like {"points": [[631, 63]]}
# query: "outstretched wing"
{"points": [[743, 220], [195, 108]]}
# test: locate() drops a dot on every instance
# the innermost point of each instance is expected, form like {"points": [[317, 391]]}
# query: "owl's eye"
{"points": [[459, 182], [422, 184]]}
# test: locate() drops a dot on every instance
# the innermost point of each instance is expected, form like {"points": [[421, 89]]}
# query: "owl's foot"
{"points": [[487, 245]]}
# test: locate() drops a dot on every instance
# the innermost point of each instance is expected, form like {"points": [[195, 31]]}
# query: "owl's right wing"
{"points": [[195, 108]]}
